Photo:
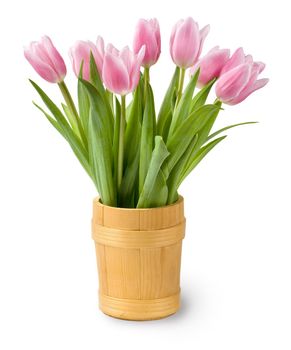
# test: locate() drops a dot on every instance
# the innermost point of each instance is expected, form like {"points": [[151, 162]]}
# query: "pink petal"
{"points": [[243, 95], [236, 59], [173, 34], [203, 34], [100, 45], [156, 27], [145, 34], [128, 58], [211, 65], [112, 49], [135, 73], [79, 53], [261, 66], [99, 53], [231, 83], [186, 44], [42, 68], [249, 59], [54, 57], [115, 75]]}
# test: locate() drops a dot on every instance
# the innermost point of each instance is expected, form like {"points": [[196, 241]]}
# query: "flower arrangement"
{"points": [[135, 159]]}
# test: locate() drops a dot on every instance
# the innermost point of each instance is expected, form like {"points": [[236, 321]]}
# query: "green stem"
{"points": [[109, 95], [146, 78], [121, 142], [180, 86], [179, 95], [77, 126], [68, 99]]}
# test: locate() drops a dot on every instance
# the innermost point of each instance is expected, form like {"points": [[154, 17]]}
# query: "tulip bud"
{"points": [[210, 65], [121, 69], [80, 52], [186, 42], [148, 33], [46, 60], [238, 78]]}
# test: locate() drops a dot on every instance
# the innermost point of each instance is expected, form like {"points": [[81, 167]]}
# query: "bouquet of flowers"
{"points": [[136, 157]]}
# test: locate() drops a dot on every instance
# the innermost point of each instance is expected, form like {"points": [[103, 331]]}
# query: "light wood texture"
{"points": [[139, 258]]}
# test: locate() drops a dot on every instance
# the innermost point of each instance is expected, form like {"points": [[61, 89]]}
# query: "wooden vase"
{"points": [[139, 258]]}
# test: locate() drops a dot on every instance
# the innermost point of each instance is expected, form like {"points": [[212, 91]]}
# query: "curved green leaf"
{"points": [[182, 111], [180, 140], [98, 84], [147, 137], [178, 170], [132, 150], [155, 192], [201, 97], [100, 146], [199, 156], [165, 112], [226, 128]]}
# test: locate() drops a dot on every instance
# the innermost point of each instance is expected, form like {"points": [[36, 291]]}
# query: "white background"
{"points": [[237, 254]]}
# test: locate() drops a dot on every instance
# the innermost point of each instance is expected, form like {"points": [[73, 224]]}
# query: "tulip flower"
{"points": [[121, 73], [121, 69], [148, 33], [239, 78], [186, 42], [80, 52], [46, 60], [210, 65]]}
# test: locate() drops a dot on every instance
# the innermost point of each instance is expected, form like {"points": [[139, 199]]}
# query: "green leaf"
{"points": [[95, 79], [147, 137], [71, 119], [51, 120], [204, 132], [129, 184], [98, 84], [178, 170], [200, 155], [180, 140], [84, 106], [132, 150], [110, 98], [201, 97], [182, 111], [67, 131], [155, 191], [116, 139], [165, 113], [226, 128], [100, 146]]}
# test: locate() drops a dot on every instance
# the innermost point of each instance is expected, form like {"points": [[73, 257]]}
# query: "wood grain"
{"points": [[139, 258]]}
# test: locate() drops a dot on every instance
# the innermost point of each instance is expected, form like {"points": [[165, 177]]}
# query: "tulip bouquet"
{"points": [[135, 157]]}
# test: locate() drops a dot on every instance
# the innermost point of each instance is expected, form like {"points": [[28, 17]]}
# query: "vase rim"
{"points": [[178, 201]]}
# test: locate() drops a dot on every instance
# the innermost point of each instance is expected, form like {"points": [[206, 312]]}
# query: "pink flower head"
{"points": [[121, 69], [148, 33], [80, 52], [46, 60], [238, 78], [210, 65], [186, 42]]}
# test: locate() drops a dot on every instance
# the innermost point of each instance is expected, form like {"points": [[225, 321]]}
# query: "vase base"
{"points": [[139, 310]]}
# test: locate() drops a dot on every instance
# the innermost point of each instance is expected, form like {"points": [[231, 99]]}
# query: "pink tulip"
{"points": [[210, 65], [148, 33], [238, 78], [46, 60], [121, 69], [80, 52], [186, 42]]}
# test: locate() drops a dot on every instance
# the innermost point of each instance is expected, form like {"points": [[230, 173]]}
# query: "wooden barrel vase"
{"points": [[139, 258]]}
